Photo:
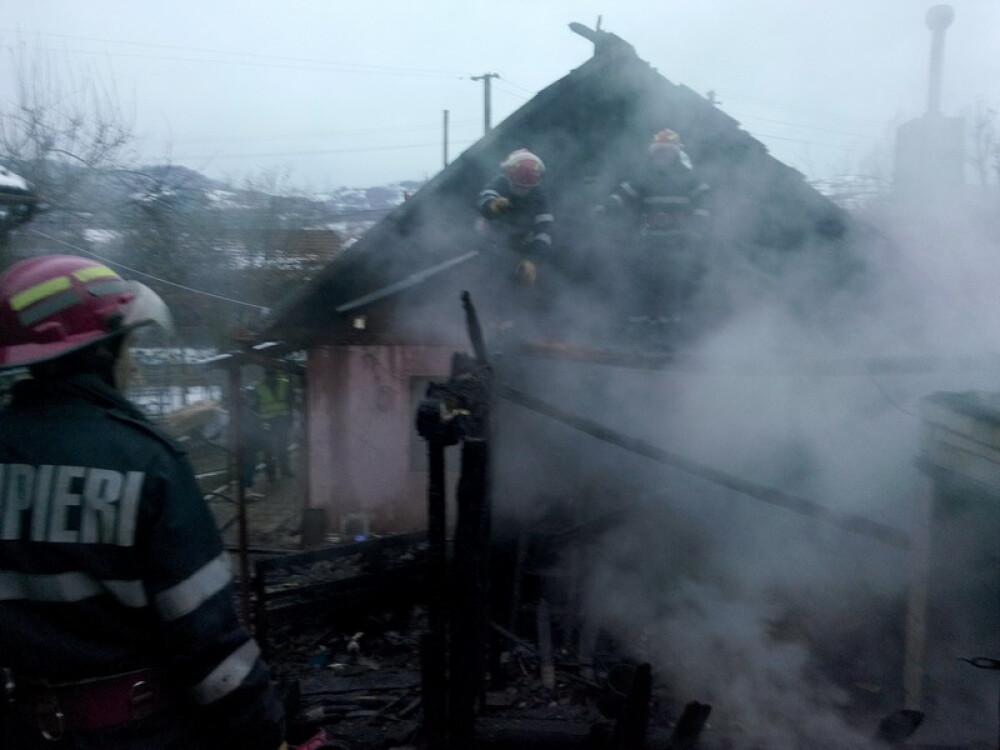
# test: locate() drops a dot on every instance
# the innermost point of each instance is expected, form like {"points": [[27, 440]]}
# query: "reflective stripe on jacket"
{"points": [[527, 226], [663, 200], [110, 560]]}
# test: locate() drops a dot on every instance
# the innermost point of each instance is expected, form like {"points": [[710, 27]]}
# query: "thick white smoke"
{"points": [[787, 626]]}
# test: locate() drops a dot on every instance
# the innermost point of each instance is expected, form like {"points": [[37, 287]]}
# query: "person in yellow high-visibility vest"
{"points": [[274, 410]]}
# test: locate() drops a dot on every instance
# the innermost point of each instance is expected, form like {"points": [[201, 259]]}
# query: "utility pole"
{"points": [[485, 78], [445, 144]]}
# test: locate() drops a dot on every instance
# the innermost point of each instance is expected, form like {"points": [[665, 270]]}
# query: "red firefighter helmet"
{"points": [[667, 136], [666, 142], [522, 168], [51, 305]]}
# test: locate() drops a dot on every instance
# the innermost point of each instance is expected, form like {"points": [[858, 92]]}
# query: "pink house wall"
{"points": [[361, 432]]}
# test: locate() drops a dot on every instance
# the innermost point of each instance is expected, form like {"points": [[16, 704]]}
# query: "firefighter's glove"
{"points": [[499, 206], [526, 272]]}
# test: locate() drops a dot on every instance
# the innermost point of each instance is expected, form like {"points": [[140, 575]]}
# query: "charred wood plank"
{"points": [[506, 733], [433, 655], [689, 726], [395, 574], [337, 601], [630, 729], [434, 644], [547, 667], [471, 594], [850, 522], [333, 684], [368, 550], [387, 585], [527, 734]]}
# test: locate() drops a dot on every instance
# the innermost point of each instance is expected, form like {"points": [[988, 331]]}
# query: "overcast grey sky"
{"points": [[353, 93]]}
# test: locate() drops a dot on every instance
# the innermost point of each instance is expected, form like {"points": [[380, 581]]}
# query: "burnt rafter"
{"points": [[846, 521]]}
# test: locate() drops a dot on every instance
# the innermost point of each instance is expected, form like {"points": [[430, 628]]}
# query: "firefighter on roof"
{"points": [[117, 625], [514, 213], [665, 205]]}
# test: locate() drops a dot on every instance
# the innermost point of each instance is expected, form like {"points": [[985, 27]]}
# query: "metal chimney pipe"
{"points": [[939, 18]]}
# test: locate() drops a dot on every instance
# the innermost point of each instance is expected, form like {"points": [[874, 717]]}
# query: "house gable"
{"points": [[590, 127]]}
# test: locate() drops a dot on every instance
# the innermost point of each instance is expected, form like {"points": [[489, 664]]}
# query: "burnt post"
{"points": [[629, 732], [471, 562], [435, 425], [688, 728], [454, 656]]}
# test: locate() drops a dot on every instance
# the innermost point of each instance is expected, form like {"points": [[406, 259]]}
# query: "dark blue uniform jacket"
{"points": [[110, 560]]}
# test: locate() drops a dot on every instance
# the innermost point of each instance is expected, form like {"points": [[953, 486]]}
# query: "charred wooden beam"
{"points": [[630, 729], [689, 726], [434, 645], [370, 549], [897, 727], [450, 412], [851, 522], [475, 330], [471, 577], [390, 571], [433, 656], [547, 666], [505, 733]]}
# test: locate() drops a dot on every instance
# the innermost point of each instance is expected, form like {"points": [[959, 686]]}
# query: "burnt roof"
{"points": [[588, 127]]}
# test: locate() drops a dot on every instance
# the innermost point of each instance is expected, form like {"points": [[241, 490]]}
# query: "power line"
{"points": [[837, 146], [515, 94], [323, 134], [803, 127], [149, 276], [322, 67], [511, 83], [263, 58], [320, 152], [819, 113]]}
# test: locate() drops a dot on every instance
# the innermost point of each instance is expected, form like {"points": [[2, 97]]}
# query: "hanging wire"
{"points": [[136, 271]]}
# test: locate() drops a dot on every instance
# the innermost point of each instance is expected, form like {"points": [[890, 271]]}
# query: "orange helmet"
{"points": [[522, 168], [51, 305]]}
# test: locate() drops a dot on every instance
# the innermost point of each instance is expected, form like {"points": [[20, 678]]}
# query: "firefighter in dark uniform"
{"points": [[666, 209], [117, 624], [516, 221]]}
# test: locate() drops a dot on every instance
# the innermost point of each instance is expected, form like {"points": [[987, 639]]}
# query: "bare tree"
{"points": [[984, 144], [62, 127], [18, 203]]}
